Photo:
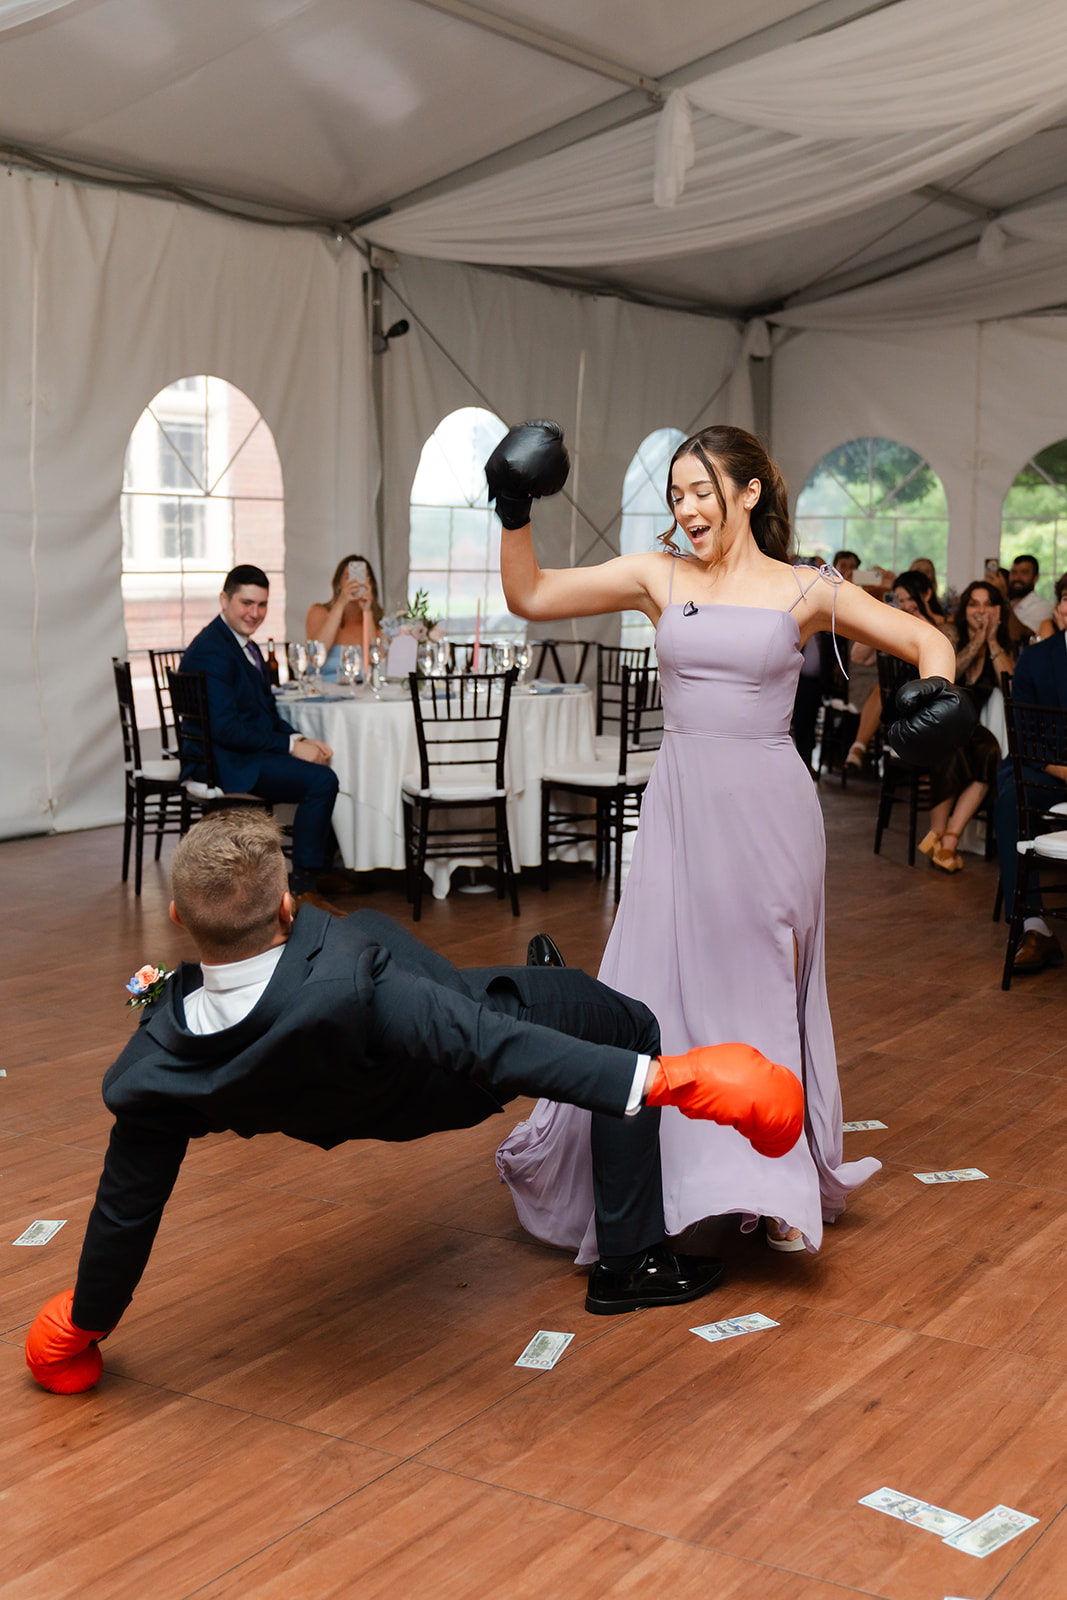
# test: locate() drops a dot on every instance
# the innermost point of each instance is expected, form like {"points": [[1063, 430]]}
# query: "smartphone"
{"points": [[992, 567], [867, 577], [357, 572]]}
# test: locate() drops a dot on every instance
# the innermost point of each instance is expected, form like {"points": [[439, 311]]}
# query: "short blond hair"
{"points": [[227, 878]]}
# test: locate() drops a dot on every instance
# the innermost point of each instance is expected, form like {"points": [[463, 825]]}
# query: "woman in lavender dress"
{"points": [[721, 925]]}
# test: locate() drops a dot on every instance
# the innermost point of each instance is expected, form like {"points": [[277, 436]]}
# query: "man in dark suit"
{"points": [[328, 1028], [255, 750], [1040, 679]]}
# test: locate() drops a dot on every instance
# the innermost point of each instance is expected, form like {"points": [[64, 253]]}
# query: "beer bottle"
{"points": [[272, 664]]}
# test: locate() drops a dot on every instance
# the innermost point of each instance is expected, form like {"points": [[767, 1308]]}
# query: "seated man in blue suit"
{"points": [[1040, 679], [255, 750]]}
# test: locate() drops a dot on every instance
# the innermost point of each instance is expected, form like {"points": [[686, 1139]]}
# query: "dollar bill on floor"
{"points": [[733, 1327], [952, 1175], [544, 1350], [40, 1232], [860, 1127], [920, 1513], [990, 1531]]}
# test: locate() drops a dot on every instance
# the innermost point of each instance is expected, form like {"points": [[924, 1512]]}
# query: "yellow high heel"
{"points": [[930, 844]]}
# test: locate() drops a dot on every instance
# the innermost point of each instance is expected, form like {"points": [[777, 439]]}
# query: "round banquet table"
{"points": [[374, 747]]}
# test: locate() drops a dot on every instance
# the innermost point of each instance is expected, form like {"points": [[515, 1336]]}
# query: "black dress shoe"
{"points": [[660, 1279], [542, 952]]}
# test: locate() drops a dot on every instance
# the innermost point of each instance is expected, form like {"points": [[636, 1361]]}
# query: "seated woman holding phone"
{"points": [[340, 620]]}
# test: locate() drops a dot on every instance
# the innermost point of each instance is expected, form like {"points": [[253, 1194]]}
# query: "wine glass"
{"points": [[522, 657], [351, 663], [502, 655], [424, 659], [441, 658], [375, 656], [316, 653], [298, 661]]}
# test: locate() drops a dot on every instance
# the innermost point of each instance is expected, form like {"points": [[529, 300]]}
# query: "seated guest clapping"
{"points": [[335, 1028], [340, 620], [984, 654]]}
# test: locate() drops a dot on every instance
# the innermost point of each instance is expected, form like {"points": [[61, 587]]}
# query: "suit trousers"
{"points": [[627, 1184], [1006, 817], [314, 789]]}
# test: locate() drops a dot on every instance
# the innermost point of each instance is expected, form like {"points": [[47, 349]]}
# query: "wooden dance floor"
{"points": [[314, 1392]]}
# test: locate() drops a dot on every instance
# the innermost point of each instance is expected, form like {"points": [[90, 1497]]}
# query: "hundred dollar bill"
{"points": [[952, 1175], [920, 1513], [991, 1530], [39, 1232], [732, 1327], [544, 1350]]}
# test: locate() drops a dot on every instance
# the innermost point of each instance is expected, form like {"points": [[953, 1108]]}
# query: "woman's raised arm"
{"points": [[529, 463]]}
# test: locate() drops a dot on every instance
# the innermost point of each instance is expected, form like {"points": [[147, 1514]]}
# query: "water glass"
{"points": [[316, 654], [298, 661], [441, 657], [351, 663]]}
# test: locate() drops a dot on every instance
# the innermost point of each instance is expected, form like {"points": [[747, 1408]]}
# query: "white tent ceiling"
{"points": [[337, 110]]}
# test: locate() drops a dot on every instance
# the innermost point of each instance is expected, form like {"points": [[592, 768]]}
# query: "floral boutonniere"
{"points": [[146, 985]]}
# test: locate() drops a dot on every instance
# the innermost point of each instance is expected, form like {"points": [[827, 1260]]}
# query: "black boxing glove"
{"points": [[934, 718], [529, 462]]}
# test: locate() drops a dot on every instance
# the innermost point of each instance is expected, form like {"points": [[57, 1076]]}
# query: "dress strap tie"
{"points": [[833, 577]]}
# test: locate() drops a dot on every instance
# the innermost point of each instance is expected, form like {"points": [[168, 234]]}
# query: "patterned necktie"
{"points": [[257, 660]]}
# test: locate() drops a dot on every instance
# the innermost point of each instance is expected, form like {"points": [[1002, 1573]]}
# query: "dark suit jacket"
{"points": [[244, 722], [1040, 679], [362, 1033]]}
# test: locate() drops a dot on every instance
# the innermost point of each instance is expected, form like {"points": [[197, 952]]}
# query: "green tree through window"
{"points": [[1034, 518], [879, 498]]}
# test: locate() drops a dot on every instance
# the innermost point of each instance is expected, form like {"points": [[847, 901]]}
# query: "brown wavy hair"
{"points": [[741, 457], [959, 621], [339, 578]]}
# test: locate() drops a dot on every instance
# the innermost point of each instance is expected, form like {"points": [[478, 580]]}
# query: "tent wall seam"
{"points": [[480, 392], [35, 641]]}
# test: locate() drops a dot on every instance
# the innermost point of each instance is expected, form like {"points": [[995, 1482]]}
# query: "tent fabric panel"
{"points": [[120, 296], [608, 371]]}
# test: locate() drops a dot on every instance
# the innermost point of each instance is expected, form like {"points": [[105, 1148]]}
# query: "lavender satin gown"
{"points": [[727, 867]]}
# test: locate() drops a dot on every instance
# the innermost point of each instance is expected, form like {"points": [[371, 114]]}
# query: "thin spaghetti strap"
{"points": [[670, 581], [835, 578], [820, 572]]}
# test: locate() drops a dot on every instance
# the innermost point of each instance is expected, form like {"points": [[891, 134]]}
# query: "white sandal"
{"points": [[783, 1242]]}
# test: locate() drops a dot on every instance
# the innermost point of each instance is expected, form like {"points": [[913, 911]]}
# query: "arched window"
{"points": [[645, 514], [201, 492], [878, 498], [1034, 519], [454, 542]]}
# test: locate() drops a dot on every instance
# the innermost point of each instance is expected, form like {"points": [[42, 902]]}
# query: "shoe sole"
{"points": [[612, 1308], [1055, 959]]}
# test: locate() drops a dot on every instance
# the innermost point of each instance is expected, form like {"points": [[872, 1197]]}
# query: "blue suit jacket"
{"points": [[245, 726]]}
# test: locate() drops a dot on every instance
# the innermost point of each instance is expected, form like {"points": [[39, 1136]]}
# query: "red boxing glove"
{"points": [[734, 1085], [61, 1356]]}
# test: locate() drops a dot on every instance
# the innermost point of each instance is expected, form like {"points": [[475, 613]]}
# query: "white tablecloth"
{"points": [[374, 746]]}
